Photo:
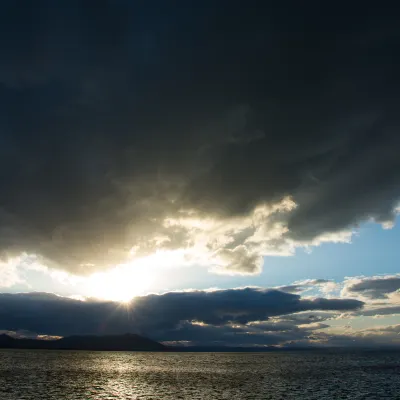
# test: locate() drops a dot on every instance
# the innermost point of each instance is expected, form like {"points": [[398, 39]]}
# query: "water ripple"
{"points": [[28, 375]]}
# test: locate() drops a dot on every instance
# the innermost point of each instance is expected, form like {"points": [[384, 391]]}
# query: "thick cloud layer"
{"points": [[174, 316], [118, 118]]}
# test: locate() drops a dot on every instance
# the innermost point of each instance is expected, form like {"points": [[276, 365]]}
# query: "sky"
{"points": [[208, 173]]}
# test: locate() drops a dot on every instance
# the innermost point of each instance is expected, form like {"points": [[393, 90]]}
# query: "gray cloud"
{"points": [[305, 285], [237, 336], [117, 117], [233, 305], [308, 317], [238, 260], [376, 311], [235, 317], [378, 287], [171, 316]]}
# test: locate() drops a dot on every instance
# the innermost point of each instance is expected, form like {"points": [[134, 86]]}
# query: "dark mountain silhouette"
{"points": [[127, 342], [133, 342]]}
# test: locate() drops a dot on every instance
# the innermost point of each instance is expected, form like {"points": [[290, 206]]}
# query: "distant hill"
{"points": [[133, 342], [127, 342]]}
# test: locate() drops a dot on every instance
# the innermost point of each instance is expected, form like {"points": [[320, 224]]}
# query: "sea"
{"points": [[73, 375]]}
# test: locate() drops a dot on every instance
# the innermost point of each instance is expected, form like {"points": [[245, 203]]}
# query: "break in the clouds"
{"points": [[226, 130]]}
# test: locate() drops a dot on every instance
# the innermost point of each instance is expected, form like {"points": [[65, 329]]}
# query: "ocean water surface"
{"points": [[82, 375]]}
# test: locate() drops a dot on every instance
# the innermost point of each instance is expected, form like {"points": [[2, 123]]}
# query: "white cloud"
{"points": [[9, 275], [14, 271], [232, 245]]}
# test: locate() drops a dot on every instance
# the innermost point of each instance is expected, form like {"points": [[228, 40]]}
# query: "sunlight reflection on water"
{"points": [[26, 375]]}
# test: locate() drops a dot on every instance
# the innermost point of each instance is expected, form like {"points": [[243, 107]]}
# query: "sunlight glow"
{"points": [[120, 284], [136, 278]]}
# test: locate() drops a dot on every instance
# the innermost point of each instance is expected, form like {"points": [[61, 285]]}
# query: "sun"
{"points": [[121, 284], [137, 277]]}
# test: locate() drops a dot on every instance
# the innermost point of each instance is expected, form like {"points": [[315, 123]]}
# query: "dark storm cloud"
{"points": [[233, 336], [232, 305], [160, 316], [116, 116]]}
